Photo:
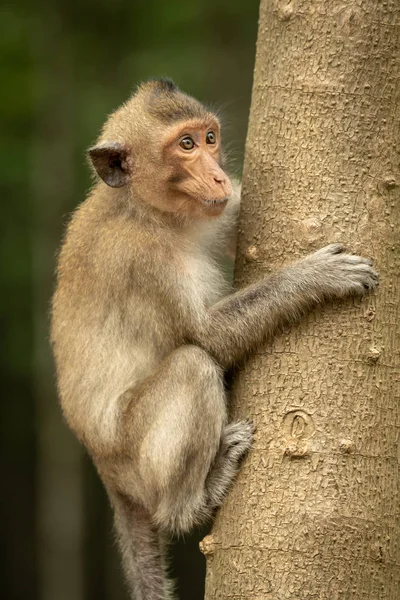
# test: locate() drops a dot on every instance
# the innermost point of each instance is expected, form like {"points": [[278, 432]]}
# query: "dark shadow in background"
{"points": [[65, 66]]}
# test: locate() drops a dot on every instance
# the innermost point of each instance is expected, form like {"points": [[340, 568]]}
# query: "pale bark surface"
{"points": [[315, 511]]}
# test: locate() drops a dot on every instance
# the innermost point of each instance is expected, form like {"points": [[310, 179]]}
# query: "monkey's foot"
{"points": [[238, 438]]}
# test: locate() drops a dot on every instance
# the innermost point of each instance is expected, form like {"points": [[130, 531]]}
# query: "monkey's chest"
{"points": [[201, 282]]}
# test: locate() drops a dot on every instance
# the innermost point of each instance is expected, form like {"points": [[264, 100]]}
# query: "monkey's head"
{"points": [[164, 148]]}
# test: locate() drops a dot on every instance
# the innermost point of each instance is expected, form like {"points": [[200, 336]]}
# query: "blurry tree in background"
{"points": [[65, 65]]}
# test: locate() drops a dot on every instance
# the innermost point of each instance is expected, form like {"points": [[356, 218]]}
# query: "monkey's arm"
{"points": [[239, 323]]}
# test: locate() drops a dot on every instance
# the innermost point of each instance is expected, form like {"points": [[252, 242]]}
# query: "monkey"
{"points": [[144, 325]]}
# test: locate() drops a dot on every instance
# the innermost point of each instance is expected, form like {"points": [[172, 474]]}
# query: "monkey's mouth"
{"points": [[214, 203]]}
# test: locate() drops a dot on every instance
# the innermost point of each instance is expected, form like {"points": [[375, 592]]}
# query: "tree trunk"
{"points": [[314, 513]]}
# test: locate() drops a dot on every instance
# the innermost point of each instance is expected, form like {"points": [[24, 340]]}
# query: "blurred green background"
{"points": [[64, 67]]}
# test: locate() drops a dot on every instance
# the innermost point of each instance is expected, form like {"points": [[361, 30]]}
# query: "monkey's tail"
{"points": [[143, 551]]}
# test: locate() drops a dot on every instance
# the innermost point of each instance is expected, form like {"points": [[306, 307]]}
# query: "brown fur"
{"points": [[143, 325]]}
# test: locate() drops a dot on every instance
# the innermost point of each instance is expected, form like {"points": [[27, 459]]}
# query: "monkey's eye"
{"points": [[187, 143], [211, 138]]}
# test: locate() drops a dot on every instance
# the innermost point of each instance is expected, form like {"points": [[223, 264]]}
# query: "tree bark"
{"points": [[315, 511]]}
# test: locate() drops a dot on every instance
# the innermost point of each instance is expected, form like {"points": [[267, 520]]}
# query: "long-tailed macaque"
{"points": [[143, 326]]}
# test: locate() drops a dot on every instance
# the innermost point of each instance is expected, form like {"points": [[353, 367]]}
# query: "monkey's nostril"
{"points": [[219, 179]]}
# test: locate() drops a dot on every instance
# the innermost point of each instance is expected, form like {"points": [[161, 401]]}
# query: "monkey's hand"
{"points": [[338, 274]]}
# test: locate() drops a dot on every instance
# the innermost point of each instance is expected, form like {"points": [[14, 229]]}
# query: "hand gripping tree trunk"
{"points": [[315, 511]]}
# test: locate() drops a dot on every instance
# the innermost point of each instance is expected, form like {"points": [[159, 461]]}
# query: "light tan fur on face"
{"points": [[143, 324], [203, 182]]}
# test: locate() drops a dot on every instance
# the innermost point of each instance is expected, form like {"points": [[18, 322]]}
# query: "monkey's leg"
{"points": [[184, 459], [184, 409], [189, 455]]}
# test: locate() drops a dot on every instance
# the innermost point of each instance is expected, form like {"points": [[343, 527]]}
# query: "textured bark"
{"points": [[315, 511]]}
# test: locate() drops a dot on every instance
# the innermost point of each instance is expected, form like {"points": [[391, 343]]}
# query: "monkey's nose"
{"points": [[219, 179]]}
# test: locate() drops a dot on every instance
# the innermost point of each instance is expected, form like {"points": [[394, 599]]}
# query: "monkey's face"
{"points": [[196, 184], [175, 168]]}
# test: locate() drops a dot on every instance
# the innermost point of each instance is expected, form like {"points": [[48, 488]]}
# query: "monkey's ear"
{"points": [[110, 160]]}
